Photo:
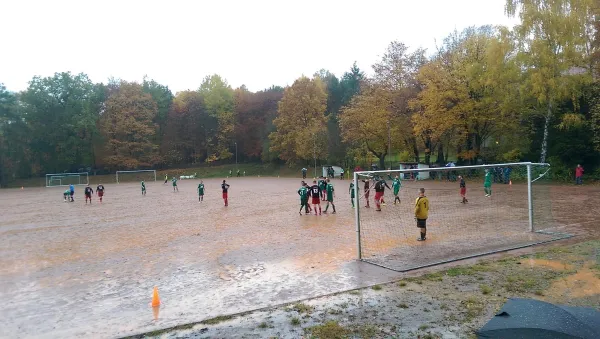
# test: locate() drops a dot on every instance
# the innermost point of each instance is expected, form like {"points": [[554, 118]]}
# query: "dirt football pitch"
{"points": [[77, 270]]}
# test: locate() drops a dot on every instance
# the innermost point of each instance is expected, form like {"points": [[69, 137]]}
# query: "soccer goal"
{"points": [[145, 175], [506, 206], [66, 179]]}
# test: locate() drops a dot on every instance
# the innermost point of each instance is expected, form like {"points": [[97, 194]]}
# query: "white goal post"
{"points": [[151, 172], [66, 179]]}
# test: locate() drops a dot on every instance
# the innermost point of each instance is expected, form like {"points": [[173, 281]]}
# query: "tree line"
{"points": [[486, 94]]}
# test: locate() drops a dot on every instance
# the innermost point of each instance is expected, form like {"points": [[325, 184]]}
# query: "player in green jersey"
{"points": [[352, 193], [323, 187], [303, 193], [487, 183], [143, 188], [175, 188], [201, 191], [330, 190], [396, 185], [66, 195]]}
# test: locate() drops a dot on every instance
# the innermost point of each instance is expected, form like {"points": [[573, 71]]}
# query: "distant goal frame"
{"points": [[50, 177], [138, 171]]}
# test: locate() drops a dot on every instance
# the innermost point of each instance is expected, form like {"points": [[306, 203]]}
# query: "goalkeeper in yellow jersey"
{"points": [[421, 213]]}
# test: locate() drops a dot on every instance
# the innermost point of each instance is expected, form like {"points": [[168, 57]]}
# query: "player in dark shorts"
{"points": [[352, 193], [303, 193], [88, 193], [463, 190], [201, 191], [322, 187], [330, 192], [421, 213], [225, 187], [367, 190], [100, 192], [379, 192], [315, 193]]}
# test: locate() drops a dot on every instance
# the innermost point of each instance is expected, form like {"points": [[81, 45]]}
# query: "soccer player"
{"points": [[579, 175], [352, 193], [315, 193], [330, 193], [487, 183], [379, 192], [323, 187], [421, 213], [201, 191], [72, 192], [396, 185], [463, 189], [303, 193], [225, 187], [88, 194], [166, 179], [100, 191], [307, 196], [238, 173], [304, 172], [175, 188], [367, 190], [230, 173], [143, 188], [66, 195]]}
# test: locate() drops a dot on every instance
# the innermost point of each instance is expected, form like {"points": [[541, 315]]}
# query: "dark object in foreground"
{"points": [[528, 318]]}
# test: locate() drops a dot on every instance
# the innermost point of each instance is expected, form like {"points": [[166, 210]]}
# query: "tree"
{"points": [[218, 98], [551, 38], [300, 124], [254, 115], [369, 121], [61, 112], [128, 127], [470, 91], [13, 139], [163, 97], [184, 140], [397, 73]]}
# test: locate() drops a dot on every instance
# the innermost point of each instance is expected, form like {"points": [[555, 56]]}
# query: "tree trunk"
{"points": [[382, 161], [428, 151], [416, 150], [440, 154], [545, 139]]}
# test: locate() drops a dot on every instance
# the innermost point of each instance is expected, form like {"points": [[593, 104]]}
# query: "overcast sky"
{"points": [[253, 42]]}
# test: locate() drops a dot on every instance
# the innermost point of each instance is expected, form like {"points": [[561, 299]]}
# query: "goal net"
{"points": [[128, 176], [506, 206], [66, 179]]}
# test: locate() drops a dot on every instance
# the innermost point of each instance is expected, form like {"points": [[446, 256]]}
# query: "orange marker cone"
{"points": [[155, 298]]}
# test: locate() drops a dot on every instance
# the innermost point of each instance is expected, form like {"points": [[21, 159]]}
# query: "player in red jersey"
{"points": [[315, 193], [100, 191], [225, 187], [88, 194]]}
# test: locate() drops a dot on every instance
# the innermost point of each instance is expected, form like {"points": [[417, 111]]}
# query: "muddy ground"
{"points": [[449, 303], [71, 269]]}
